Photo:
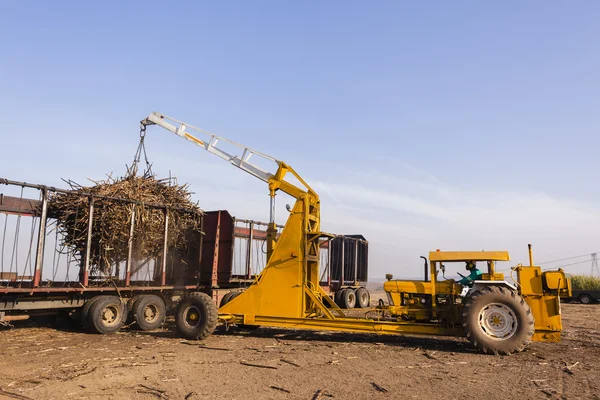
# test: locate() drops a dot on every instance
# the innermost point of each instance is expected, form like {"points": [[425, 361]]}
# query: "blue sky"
{"points": [[457, 125]]}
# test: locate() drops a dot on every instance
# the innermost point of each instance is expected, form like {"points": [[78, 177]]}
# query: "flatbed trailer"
{"points": [[38, 275]]}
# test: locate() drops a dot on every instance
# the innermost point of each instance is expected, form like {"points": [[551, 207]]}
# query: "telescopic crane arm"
{"points": [[241, 159]]}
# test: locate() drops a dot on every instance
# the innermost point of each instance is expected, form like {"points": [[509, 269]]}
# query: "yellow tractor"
{"points": [[495, 315]]}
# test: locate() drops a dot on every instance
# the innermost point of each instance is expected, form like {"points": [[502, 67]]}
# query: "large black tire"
{"points": [[349, 298], [149, 312], [85, 311], [106, 315], [337, 298], [226, 299], [497, 320], [585, 298], [363, 298], [196, 316]]}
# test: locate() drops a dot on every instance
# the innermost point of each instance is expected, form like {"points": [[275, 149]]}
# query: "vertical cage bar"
{"points": [[130, 247], [39, 255], [215, 266], [249, 252], [163, 272], [329, 255], [85, 276], [343, 262], [355, 261]]}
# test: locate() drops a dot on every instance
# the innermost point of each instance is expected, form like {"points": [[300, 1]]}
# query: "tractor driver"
{"points": [[474, 274]]}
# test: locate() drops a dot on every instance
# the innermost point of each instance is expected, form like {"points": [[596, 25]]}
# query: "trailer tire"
{"points": [[196, 316], [149, 312], [363, 298], [106, 315], [497, 320], [349, 298], [85, 311], [337, 298], [226, 299], [585, 298]]}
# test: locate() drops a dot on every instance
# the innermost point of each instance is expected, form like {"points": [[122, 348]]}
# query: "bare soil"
{"points": [[43, 362]]}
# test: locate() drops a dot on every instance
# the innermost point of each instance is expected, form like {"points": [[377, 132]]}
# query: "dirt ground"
{"points": [[42, 362]]}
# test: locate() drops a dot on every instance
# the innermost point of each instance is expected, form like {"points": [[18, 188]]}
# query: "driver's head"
{"points": [[470, 265]]}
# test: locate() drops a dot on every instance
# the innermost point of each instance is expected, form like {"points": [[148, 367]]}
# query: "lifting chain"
{"points": [[138, 155]]}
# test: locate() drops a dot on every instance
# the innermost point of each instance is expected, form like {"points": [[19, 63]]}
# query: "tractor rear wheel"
{"points": [[196, 316], [497, 320]]}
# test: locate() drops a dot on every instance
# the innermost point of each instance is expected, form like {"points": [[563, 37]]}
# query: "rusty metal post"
{"points": [[163, 272], [88, 245], [215, 265], [130, 247], [39, 254], [249, 252]]}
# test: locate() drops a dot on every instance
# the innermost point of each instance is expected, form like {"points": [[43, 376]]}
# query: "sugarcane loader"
{"points": [[495, 315]]}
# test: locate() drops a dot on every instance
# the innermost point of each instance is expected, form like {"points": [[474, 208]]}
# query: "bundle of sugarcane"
{"points": [[112, 218]]}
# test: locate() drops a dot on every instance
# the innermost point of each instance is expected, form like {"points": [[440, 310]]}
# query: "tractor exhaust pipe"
{"points": [[530, 256], [426, 269]]}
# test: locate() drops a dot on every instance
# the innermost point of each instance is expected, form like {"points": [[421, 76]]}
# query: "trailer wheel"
{"points": [[106, 314], [585, 298], [227, 298], [196, 316], [85, 311], [349, 298], [363, 298], [149, 312], [337, 298], [497, 320]]}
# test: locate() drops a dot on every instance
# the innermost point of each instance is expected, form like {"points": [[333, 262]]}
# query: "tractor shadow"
{"points": [[432, 343]]}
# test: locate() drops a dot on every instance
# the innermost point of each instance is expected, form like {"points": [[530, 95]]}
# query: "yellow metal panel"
{"points": [[555, 280], [420, 287], [530, 280], [450, 256], [348, 324], [498, 276], [546, 312], [279, 289]]}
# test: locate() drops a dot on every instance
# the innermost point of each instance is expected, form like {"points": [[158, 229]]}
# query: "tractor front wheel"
{"points": [[497, 320]]}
